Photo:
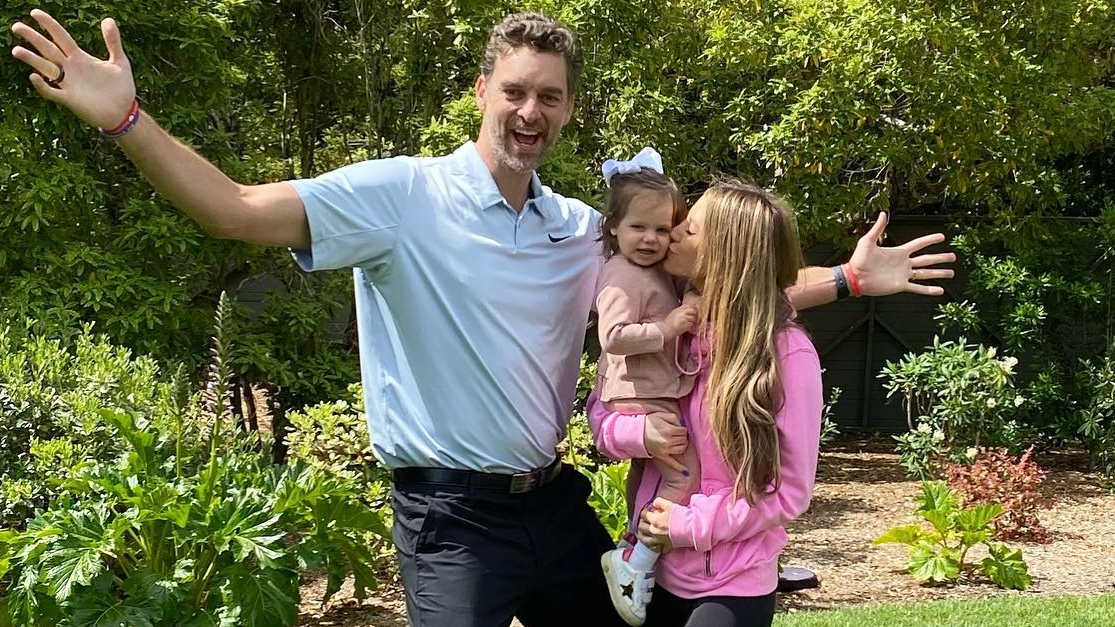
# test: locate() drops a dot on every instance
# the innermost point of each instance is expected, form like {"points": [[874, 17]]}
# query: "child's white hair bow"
{"points": [[647, 158]]}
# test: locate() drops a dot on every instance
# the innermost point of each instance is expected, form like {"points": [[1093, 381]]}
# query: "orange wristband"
{"points": [[853, 280]]}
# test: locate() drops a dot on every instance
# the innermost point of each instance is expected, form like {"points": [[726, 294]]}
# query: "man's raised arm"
{"points": [[876, 270], [102, 92]]}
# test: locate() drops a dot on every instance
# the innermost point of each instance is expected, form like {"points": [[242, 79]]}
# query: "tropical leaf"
{"points": [[1006, 567], [942, 520], [97, 606], [903, 534], [978, 517], [927, 564], [160, 592], [936, 496], [262, 597]]}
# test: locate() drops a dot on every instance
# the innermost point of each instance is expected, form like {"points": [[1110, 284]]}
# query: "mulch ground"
{"points": [[861, 492]]}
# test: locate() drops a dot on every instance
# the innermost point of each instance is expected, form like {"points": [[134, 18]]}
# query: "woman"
{"points": [[754, 417]]}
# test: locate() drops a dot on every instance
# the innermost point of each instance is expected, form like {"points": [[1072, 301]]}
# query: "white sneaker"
{"points": [[630, 589]]}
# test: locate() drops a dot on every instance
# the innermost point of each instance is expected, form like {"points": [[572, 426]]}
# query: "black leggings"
{"points": [[668, 610]]}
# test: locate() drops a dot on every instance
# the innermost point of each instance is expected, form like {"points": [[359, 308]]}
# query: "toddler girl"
{"points": [[641, 322]]}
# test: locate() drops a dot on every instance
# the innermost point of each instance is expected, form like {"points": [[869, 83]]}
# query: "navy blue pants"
{"points": [[476, 558], [668, 610]]}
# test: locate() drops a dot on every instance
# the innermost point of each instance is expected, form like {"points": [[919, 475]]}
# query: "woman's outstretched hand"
{"points": [[99, 92], [889, 270]]}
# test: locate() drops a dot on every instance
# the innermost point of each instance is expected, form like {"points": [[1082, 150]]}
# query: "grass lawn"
{"points": [[1091, 611]]}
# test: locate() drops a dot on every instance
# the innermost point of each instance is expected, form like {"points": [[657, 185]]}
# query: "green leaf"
{"points": [[972, 538], [926, 564], [942, 520], [1006, 567], [978, 517], [67, 567], [147, 585], [937, 496], [141, 440], [203, 618], [98, 607], [251, 543], [904, 534], [263, 597], [77, 553]]}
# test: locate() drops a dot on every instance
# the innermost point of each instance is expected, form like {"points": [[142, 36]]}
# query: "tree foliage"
{"points": [[998, 110]]}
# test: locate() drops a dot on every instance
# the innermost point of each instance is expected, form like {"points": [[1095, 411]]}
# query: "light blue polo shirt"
{"points": [[471, 316]]}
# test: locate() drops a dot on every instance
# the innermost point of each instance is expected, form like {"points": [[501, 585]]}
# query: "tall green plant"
{"points": [[190, 525]]}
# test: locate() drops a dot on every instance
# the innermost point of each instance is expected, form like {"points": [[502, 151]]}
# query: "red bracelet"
{"points": [[853, 280], [125, 126]]}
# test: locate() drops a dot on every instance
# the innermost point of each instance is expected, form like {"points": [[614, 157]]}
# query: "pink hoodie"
{"points": [[723, 546]]}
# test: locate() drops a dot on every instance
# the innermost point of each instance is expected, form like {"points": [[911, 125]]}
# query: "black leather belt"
{"points": [[475, 480]]}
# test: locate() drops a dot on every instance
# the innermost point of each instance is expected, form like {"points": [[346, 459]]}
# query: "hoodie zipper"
{"points": [[708, 563]]}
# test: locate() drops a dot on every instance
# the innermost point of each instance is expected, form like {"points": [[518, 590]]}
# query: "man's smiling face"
{"points": [[525, 102]]}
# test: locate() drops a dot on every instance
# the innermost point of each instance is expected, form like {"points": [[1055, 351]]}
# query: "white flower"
{"points": [[972, 452], [991, 352], [991, 402], [1018, 400], [923, 428], [938, 436], [1008, 364]]}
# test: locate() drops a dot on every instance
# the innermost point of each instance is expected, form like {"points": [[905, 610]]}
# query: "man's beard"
{"points": [[501, 135]]}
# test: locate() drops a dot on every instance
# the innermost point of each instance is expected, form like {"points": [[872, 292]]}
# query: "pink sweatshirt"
{"points": [[723, 546], [636, 361]]}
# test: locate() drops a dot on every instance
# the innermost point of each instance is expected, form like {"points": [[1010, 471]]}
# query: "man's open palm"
{"points": [[97, 91]]}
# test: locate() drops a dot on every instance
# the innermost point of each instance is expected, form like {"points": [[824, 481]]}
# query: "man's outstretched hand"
{"points": [[99, 92], [890, 270]]}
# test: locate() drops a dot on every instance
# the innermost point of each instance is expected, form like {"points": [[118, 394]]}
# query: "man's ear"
{"points": [[481, 92]]}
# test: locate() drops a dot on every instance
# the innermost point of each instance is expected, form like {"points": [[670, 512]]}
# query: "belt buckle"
{"points": [[525, 481]]}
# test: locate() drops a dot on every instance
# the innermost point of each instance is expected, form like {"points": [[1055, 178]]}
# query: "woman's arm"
{"points": [[718, 517], [619, 436]]}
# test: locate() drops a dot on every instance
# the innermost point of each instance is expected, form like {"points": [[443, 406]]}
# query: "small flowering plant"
{"points": [[958, 397]]}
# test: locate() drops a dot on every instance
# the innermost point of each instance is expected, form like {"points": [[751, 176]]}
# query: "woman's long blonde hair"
{"points": [[748, 256]]}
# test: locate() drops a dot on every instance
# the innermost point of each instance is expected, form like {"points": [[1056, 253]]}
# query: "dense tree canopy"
{"points": [[1003, 110]]}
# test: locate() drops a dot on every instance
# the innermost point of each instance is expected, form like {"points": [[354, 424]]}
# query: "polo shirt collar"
{"points": [[484, 189]]}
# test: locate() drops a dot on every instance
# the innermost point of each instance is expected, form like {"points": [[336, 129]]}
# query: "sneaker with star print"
{"points": [[629, 589]]}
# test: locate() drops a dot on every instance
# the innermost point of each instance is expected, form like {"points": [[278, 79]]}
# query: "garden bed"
{"points": [[861, 491]]}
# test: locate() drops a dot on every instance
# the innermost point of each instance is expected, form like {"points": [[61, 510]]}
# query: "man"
{"points": [[473, 286]]}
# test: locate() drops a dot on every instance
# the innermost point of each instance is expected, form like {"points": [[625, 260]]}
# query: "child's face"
{"points": [[644, 233]]}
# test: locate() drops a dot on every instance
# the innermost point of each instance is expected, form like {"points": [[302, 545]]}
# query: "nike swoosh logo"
{"points": [[558, 239]]}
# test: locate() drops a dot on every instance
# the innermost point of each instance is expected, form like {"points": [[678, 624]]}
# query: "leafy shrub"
{"points": [[957, 396], [995, 476], [52, 393], [333, 438], [214, 537], [189, 525], [1097, 415], [937, 554]]}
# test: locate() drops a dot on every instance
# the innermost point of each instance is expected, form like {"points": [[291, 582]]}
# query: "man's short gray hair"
{"points": [[540, 32]]}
